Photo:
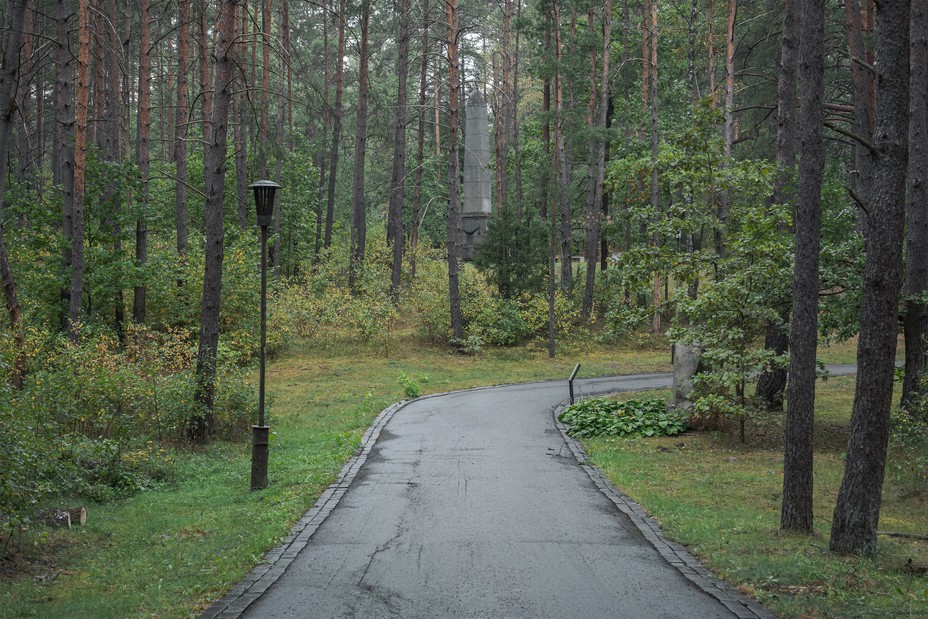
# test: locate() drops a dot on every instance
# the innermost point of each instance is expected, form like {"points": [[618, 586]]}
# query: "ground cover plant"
{"points": [[630, 418], [721, 498]]}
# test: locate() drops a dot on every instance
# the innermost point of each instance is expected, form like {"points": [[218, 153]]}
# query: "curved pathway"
{"points": [[474, 504]]}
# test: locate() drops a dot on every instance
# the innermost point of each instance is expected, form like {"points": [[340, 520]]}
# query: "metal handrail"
{"points": [[570, 382]]}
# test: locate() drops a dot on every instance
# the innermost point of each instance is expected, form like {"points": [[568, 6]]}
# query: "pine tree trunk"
{"points": [[9, 79], [265, 86], [358, 207], [655, 145], [143, 154], [861, 96], [63, 151], [398, 180], [454, 225], [771, 384], [796, 511], [180, 143], [595, 206], [420, 142], [857, 512], [326, 121], [206, 96], [915, 324], [81, 98], [239, 130], [336, 124], [201, 427]]}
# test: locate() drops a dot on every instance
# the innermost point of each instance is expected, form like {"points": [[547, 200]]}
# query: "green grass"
{"points": [[722, 499], [169, 552]]}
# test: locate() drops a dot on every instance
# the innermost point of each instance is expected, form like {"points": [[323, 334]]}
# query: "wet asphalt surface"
{"points": [[471, 505]]}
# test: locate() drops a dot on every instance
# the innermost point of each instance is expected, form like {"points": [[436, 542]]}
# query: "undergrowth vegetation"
{"points": [[631, 418]]}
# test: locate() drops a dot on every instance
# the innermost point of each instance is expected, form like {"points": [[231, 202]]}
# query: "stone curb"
{"points": [[675, 554]]}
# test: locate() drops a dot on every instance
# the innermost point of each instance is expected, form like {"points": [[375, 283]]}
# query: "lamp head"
{"points": [[264, 200]]}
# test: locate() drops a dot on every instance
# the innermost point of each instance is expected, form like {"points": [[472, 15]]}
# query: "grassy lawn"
{"points": [[170, 552], [722, 499]]}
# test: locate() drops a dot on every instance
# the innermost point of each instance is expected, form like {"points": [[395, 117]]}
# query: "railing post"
{"points": [[570, 382]]}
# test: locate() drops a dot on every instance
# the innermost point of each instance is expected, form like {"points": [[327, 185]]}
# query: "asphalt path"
{"points": [[473, 504]]}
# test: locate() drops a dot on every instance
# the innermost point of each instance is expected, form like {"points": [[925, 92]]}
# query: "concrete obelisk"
{"points": [[477, 204]]}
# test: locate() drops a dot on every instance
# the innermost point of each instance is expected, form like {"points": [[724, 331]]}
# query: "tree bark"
{"points": [[81, 98], [240, 121], [398, 177], [326, 121], [655, 150], [915, 324], [420, 142], [771, 384], [796, 512], [454, 226], [180, 142], [358, 207], [206, 97], [857, 511], [265, 85], [861, 96], [63, 152], [201, 426], [143, 154], [563, 167], [595, 208], [9, 80], [336, 123]]}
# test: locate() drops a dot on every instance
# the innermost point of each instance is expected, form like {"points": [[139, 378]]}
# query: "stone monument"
{"points": [[477, 205]]}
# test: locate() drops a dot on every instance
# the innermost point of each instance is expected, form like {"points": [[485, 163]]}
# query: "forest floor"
{"points": [[170, 551]]}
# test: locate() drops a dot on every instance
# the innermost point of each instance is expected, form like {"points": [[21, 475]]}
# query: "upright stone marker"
{"points": [[477, 204]]}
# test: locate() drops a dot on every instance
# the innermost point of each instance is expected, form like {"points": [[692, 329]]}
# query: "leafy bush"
{"points": [[908, 460], [410, 388], [633, 418]]}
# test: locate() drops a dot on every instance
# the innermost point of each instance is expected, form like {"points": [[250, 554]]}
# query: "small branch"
{"points": [[923, 538], [860, 202], [850, 134]]}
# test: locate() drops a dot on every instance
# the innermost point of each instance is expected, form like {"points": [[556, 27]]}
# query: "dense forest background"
{"points": [[725, 173]]}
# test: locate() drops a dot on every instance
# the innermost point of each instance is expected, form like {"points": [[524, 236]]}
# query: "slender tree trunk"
{"points": [[265, 85], [336, 123], [9, 80], [796, 512], [771, 384], [143, 154], [358, 207], [180, 143], [326, 121], [857, 511], [239, 124], [454, 226], [711, 54], [206, 96], [516, 151], [728, 131], [861, 96], [420, 142], [201, 427], [63, 153], [655, 145], [398, 180], [915, 325], [564, 167], [595, 205], [81, 98]]}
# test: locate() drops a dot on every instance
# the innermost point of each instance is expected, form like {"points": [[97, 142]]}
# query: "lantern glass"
{"points": [[265, 192]]}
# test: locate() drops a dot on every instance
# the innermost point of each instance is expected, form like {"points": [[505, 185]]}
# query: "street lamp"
{"points": [[264, 201]]}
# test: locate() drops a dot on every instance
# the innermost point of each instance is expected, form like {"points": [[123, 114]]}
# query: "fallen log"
{"points": [[78, 515], [54, 518]]}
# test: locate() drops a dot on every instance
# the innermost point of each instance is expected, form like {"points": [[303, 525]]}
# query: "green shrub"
{"points": [[633, 418]]}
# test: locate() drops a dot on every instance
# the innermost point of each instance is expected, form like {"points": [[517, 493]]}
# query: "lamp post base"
{"points": [[259, 449]]}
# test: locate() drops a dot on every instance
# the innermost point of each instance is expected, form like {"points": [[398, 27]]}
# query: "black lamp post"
{"points": [[265, 192]]}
